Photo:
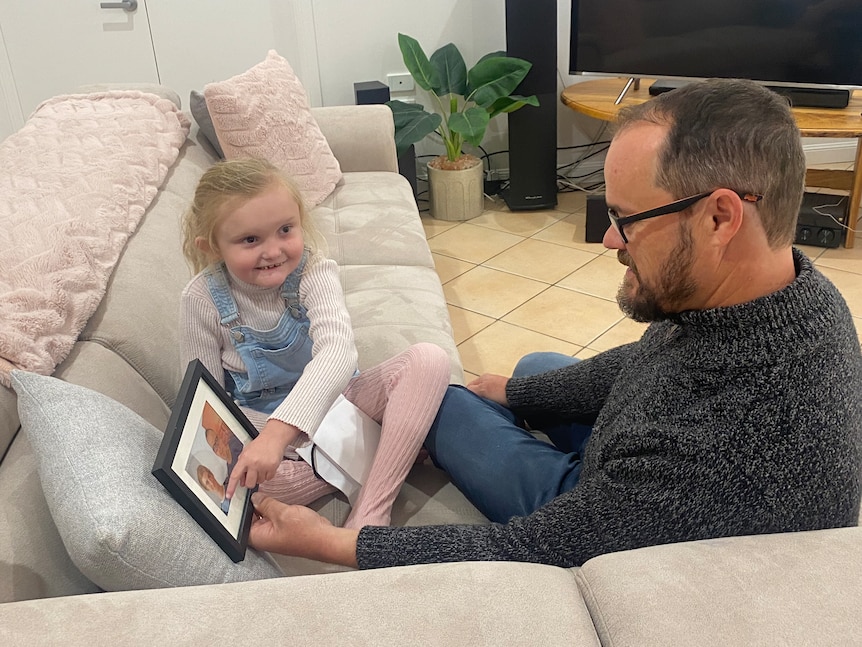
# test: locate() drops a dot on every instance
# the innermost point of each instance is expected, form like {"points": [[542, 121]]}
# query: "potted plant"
{"points": [[464, 102]]}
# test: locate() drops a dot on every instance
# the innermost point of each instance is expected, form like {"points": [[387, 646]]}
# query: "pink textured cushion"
{"points": [[264, 113]]}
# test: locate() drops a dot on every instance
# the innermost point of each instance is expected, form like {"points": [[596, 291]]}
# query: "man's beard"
{"points": [[648, 303]]}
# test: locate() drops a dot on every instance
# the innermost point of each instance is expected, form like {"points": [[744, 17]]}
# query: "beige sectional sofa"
{"points": [[782, 589]]}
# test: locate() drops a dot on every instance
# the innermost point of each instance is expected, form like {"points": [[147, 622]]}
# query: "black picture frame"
{"points": [[193, 445]]}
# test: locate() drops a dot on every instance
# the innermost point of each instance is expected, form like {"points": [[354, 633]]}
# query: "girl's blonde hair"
{"points": [[224, 186]]}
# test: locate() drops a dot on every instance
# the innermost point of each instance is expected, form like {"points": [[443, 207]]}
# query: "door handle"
{"points": [[127, 5]]}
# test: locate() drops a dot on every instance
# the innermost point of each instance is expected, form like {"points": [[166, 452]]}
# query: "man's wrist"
{"points": [[337, 546]]}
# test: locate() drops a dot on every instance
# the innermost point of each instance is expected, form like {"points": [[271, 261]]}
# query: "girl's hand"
{"points": [[491, 387], [261, 457]]}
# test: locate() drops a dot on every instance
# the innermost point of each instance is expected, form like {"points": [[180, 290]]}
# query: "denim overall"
{"points": [[274, 359]]}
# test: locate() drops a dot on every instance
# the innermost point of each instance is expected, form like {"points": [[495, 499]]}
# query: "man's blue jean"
{"points": [[500, 467]]}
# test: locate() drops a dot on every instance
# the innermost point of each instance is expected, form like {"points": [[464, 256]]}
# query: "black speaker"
{"points": [[821, 220], [374, 92], [597, 218], [370, 92], [531, 34]]}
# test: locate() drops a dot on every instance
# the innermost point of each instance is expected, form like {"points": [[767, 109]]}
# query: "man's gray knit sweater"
{"points": [[731, 421]]}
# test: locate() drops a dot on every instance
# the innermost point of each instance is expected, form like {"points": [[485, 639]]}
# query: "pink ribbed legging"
{"points": [[403, 395]]}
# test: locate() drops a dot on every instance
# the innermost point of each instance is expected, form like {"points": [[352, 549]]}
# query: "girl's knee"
{"points": [[430, 357]]}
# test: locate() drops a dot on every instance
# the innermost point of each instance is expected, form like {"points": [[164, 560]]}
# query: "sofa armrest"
{"points": [[800, 588], [361, 137]]}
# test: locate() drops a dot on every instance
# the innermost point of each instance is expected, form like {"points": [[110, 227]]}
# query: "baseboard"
{"points": [[833, 151]]}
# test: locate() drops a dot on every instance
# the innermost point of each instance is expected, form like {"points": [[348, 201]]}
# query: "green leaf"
{"points": [[412, 123], [417, 63], [495, 77], [451, 71], [470, 124], [492, 55], [511, 103]]}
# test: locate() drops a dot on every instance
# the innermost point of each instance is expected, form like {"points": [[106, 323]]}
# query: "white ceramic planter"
{"points": [[456, 195]]}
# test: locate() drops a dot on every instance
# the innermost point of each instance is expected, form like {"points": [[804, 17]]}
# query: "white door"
{"points": [[53, 46]]}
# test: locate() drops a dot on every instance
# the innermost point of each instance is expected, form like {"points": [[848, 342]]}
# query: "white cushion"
{"points": [[120, 527]]}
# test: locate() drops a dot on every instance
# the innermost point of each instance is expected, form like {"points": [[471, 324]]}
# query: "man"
{"points": [[738, 412]]}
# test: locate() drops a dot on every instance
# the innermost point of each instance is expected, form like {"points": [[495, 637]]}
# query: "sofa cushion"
{"points": [[120, 527], [371, 220], [198, 106], [264, 113]]}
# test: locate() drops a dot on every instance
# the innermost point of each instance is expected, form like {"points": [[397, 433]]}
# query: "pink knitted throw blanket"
{"points": [[74, 183]]}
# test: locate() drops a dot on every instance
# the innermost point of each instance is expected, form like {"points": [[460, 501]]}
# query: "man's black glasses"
{"points": [[674, 207]]}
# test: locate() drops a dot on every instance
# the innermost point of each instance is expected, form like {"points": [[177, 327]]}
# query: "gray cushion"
{"points": [[118, 524], [198, 106]]}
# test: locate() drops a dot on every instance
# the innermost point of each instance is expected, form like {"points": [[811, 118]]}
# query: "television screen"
{"points": [[783, 42]]}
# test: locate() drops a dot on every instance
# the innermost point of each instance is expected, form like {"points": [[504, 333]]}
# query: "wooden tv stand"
{"points": [[596, 98]]}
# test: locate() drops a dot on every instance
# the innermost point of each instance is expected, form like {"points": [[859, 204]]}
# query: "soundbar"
{"points": [[798, 97]]}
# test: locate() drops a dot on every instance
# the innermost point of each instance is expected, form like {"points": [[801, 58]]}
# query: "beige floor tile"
{"points": [[571, 316], [448, 268], [497, 348], [540, 260], [586, 353], [600, 277], [850, 286], [841, 258], [433, 227], [471, 243], [571, 201], [520, 223], [469, 377], [570, 232], [495, 203], [465, 323], [626, 331], [812, 252], [490, 292]]}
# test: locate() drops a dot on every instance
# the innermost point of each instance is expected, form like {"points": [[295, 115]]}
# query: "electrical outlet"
{"points": [[401, 82]]}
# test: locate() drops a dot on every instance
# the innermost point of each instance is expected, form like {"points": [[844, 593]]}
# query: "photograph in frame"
{"points": [[203, 439]]}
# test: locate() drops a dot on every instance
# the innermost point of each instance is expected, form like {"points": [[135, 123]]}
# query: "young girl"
{"points": [[266, 315]]}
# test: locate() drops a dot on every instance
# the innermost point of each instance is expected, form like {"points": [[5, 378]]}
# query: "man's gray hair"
{"points": [[734, 134]]}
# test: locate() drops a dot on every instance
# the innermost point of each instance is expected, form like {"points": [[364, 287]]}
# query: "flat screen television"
{"points": [[813, 44]]}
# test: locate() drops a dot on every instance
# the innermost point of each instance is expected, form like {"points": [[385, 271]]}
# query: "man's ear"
{"points": [[727, 215]]}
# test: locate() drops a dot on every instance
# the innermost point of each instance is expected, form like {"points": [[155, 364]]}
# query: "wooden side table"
{"points": [[595, 98]]}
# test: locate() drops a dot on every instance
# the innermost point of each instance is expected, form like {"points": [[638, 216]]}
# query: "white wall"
{"points": [[10, 109], [200, 41], [332, 44], [357, 41]]}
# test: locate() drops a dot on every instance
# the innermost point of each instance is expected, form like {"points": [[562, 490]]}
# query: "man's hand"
{"points": [[299, 531], [261, 457], [492, 387]]}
